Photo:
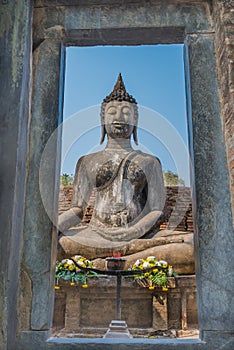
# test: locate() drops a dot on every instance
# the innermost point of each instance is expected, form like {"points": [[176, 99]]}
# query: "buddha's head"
{"points": [[119, 113]]}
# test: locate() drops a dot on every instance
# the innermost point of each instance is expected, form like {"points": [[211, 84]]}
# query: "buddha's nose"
{"points": [[122, 116], [119, 115]]}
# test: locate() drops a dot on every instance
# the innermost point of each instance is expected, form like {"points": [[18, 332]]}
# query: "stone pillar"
{"points": [[39, 233], [15, 71], [213, 220], [224, 47]]}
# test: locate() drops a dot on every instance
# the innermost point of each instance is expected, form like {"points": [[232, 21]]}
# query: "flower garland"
{"points": [[67, 270], [157, 277]]}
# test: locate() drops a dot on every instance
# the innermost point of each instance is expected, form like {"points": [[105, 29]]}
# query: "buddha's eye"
{"points": [[111, 110], [126, 110]]}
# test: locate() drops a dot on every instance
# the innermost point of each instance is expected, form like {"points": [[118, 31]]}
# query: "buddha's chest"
{"points": [[117, 171]]}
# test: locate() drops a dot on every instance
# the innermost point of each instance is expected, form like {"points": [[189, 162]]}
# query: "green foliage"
{"points": [[160, 278], [66, 180], [172, 179]]}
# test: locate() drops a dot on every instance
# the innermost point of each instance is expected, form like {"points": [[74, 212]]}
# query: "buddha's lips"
{"points": [[119, 124]]}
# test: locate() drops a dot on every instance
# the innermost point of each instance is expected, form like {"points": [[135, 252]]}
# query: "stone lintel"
{"points": [[52, 3], [124, 36], [148, 23]]}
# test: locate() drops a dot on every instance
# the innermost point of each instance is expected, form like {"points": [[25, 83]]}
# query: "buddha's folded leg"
{"points": [[180, 255], [175, 247]]}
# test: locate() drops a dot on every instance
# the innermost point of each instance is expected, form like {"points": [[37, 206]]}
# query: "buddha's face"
{"points": [[119, 119]]}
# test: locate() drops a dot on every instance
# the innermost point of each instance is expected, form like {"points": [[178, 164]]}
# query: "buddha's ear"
{"points": [[103, 134], [135, 135]]}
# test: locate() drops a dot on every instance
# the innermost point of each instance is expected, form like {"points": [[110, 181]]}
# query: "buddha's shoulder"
{"points": [[91, 157], [148, 158]]}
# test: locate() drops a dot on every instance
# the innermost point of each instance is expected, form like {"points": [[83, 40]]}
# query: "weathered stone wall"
{"points": [[177, 212], [224, 44], [15, 78]]}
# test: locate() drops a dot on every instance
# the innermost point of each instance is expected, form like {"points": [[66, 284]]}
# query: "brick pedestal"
{"points": [[89, 311]]}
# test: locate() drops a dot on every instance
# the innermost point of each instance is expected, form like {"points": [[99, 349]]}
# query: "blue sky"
{"points": [[153, 74]]}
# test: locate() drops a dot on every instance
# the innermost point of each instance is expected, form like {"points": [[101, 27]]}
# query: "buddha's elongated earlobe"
{"points": [[135, 135], [103, 134]]}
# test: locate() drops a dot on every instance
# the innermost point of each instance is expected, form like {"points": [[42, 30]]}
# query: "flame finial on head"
{"points": [[119, 84], [119, 93]]}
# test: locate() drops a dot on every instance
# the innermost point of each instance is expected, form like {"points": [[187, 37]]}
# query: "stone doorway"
{"points": [[59, 23], [64, 308]]}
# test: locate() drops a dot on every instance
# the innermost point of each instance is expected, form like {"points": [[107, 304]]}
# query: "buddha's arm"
{"points": [[156, 188], [155, 199], [69, 218]]}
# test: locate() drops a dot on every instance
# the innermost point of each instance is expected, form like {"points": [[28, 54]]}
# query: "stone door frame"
{"points": [[185, 22]]}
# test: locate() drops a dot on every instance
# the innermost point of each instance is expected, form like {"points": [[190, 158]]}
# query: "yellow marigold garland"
{"points": [[67, 270], [157, 277]]}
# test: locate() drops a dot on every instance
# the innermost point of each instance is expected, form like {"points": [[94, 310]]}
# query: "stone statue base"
{"points": [[80, 312]]}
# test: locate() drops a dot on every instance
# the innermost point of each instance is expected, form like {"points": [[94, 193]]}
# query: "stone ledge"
{"points": [[110, 281]]}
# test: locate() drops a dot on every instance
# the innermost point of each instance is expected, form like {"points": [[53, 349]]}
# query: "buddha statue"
{"points": [[129, 196]]}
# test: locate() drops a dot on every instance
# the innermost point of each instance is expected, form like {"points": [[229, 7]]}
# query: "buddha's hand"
{"points": [[134, 230], [71, 217]]}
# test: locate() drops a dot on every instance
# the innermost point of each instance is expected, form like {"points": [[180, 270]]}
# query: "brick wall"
{"points": [[65, 197], [177, 211], [223, 14]]}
